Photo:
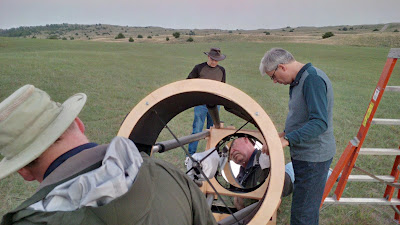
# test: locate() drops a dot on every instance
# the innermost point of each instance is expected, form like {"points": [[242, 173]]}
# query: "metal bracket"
{"points": [[355, 141], [394, 53]]}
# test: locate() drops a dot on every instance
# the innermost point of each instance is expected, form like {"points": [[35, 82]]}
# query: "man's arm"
{"points": [[284, 143], [194, 73], [223, 75], [315, 94]]}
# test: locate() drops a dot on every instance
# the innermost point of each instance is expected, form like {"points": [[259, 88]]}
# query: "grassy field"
{"points": [[116, 76]]}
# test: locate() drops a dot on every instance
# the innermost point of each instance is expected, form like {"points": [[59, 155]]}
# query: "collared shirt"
{"points": [[56, 163], [251, 166]]}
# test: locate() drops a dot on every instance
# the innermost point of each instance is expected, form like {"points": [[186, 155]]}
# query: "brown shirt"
{"points": [[204, 71]]}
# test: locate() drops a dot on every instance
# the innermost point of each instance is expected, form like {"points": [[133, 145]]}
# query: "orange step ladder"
{"points": [[349, 156]]}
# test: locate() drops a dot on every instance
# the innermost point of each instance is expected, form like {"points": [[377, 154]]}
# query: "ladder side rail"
{"points": [[395, 173], [375, 99], [396, 215], [365, 125], [347, 154], [345, 174]]}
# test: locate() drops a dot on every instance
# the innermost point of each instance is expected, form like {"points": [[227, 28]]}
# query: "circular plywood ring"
{"points": [[143, 124]]}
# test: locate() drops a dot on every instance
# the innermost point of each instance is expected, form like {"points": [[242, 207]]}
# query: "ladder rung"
{"points": [[366, 178], [393, 88], [356, 201], [385, 121], [379, 151]]}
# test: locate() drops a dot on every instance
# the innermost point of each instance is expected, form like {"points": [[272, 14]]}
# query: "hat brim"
{"points": [[222, 57], [70, 110]]}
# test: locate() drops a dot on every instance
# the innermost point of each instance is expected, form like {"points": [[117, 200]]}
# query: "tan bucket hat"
{"points": [[30, 122]]}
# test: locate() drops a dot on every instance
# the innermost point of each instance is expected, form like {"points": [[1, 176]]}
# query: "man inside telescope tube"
{"points": [[254, 168]]}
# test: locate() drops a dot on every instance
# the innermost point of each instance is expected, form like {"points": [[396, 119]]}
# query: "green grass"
{"points": [[116, 76]]}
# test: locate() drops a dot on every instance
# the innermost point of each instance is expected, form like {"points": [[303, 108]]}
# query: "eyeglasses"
{"points": [[273, 75]]}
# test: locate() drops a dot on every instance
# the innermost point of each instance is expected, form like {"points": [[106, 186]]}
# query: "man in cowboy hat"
{"points": [[82, 182], [206, 70]]}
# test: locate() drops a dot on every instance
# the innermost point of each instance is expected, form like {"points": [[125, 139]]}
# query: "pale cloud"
{"points": [[222, 14]]}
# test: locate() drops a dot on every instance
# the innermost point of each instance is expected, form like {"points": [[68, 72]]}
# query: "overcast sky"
{"points": [[200, 14]]}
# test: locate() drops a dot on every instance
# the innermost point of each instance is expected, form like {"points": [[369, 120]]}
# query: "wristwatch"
{"points": [[287, 139]]}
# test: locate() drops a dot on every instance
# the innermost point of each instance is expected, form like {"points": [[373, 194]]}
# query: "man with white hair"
{"points": [[308, 129], [82, 182], [254, 168]]}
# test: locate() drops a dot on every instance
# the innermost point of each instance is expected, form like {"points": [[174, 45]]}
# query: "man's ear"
{"points": [[283, 67], [80, 124], [26, 174]]}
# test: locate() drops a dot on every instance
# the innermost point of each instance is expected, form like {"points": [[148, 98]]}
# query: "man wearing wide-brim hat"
{"points": [[206, 70], [82, 182]]}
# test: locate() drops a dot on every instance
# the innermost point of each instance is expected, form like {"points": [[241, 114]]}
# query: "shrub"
{"points": [[176, 34], [376, 29], [131, 39], [291, 30], [120, 36], [192, 33], [190, 39], [33, 37], [266, 33], [167, 38], [149, 36], [71, 38], [64, 38], [327, 35], [53, 37], [396, 30], [344, 29], [230, 32], [140, 36], [76, 34]]}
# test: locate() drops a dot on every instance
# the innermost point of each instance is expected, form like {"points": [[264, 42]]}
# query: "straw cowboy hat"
{"points": [[30, 122], [215, 53]]}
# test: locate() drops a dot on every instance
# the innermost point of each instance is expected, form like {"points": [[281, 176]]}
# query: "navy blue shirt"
{"points": [[315, 94], [62, 158]]}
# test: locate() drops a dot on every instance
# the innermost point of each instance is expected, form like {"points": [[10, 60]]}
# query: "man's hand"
{"points": [[265, 149], [284, 142], [238, 202]]}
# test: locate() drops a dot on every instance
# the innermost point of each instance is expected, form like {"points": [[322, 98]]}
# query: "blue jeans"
{"points": [[309, 185], [200, 114]]}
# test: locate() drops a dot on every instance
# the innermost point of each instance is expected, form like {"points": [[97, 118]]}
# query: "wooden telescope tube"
{"points": [[147, 119]]}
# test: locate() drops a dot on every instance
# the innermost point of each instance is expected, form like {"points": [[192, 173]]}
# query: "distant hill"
{"points": [[362, 35]]}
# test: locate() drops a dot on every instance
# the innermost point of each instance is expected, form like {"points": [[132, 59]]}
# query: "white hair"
{"points": [[273, 58]]}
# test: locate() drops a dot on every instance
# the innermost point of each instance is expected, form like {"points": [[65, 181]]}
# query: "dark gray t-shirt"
{"points": [[204, 71]]}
